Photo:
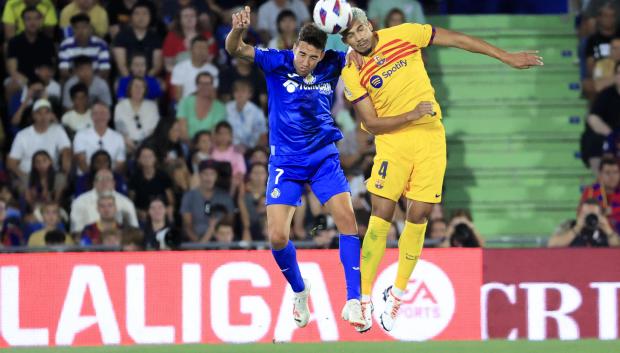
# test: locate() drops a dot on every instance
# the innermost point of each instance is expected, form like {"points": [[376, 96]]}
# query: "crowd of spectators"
{"points": [[127, 125]]}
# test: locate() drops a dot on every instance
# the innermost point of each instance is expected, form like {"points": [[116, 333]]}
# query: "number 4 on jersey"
{"points": [[383, 169]]}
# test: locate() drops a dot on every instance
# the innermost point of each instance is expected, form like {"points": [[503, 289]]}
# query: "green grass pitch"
{"points": [[582, 346]]}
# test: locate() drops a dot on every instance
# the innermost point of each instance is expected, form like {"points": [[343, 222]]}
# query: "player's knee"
{"points": [[419, 215], [277, 238]]}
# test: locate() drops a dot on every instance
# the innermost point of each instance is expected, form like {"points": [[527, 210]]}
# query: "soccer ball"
{"points": [[332, 16]]}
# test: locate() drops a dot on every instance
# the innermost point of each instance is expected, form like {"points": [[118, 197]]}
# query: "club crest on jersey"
{"points": [[379, 59], [275, 193], [379, 183], [309, 79]]}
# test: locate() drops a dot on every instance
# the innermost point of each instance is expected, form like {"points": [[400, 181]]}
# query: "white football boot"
{"points": [[301, 312], [358, 314], [390, 312]]}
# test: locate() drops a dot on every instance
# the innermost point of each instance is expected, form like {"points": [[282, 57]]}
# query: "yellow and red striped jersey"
{"points": [[393, 76]]}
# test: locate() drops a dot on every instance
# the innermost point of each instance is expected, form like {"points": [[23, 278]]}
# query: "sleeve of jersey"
{"points": [[418, 34], [353, 90], [267, 59]]}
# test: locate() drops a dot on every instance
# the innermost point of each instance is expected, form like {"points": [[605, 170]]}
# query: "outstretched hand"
{"points": [[241, 19], [523, 59]]}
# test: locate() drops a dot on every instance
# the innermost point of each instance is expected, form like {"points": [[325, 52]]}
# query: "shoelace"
{"points": [[395, 307]]}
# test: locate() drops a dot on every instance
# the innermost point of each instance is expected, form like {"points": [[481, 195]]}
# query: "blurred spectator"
{"points": [[591, 12], [604, 75], [287, 31], [112, 237], [224, 151], [247, 120], [55, 237], [181, 183], [84, 208], [179, 40], [462, 232], [243, 70], [394, 17], [601, 122], [136, 117], [356, 150], [83, 43], [41, 135], [137, 68], [132, 239], [437, 232], [27, 51], [258, 155], [97, 15], [200, 111], [137, 37], [167, 142], [224, 231], [269, 11], [43, 86], [591, 229], [98, 88], [149, 181], [99, 160], [14, 23], [99, 137], [185, 73], [80, 117], [251, 201], [201, 148], [50, 212], [157, 224], [10, 232], [119, 14], [44, 183], [378, 10], [171, 10], [204, 205], [606, 191], [106, 220], [598, 45]]}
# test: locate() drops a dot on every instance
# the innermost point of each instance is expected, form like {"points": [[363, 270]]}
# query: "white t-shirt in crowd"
{"points": [[125, 119], [28, 141], [184, 74], [76, 121], [88, 141]]}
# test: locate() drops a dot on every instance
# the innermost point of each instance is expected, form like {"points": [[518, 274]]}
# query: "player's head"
{"points": [[308, 49], [359, 35]]}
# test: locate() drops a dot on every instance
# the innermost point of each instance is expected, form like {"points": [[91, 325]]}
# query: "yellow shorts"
{"points": [[410, 163]]}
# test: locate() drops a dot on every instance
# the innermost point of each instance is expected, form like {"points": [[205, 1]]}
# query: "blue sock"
{"points": [[350, 259], [287, 261]]}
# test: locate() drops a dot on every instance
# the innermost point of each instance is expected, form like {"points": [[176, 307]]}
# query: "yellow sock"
{"points": [[373, 249], [409, 248]]}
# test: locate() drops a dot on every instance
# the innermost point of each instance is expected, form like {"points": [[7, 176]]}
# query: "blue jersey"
{"points": [[300, 119]]}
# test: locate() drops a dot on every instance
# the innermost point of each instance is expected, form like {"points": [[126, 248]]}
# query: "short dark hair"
{"points": [[82, 60], [286, 13], [77, 88], [81, 17], [607, 161], [204, 73], [198, 38], [616, 68], [31, 9], [223, 125], [242, 82], [55, 237], [312, 35], [141, 3]]}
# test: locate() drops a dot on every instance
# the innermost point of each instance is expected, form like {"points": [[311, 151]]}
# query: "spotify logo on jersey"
{"points": [[376, 81]]}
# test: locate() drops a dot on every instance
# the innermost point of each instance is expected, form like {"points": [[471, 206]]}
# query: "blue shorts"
{"points": [[289, 174]]}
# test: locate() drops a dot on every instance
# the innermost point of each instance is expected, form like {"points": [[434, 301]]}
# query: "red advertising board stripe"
{"points": [[551, 293], [218, 296]]}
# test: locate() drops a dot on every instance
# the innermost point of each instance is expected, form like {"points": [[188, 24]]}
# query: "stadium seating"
{"points": [[513, 135]]}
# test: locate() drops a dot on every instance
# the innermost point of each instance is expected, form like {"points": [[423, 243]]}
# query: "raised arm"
{"points": [[376, 125], [518, 60], [234, 41]]}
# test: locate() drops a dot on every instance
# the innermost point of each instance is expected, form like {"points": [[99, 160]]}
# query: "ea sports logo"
{"points": [[427, 306], [376, 81]]}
